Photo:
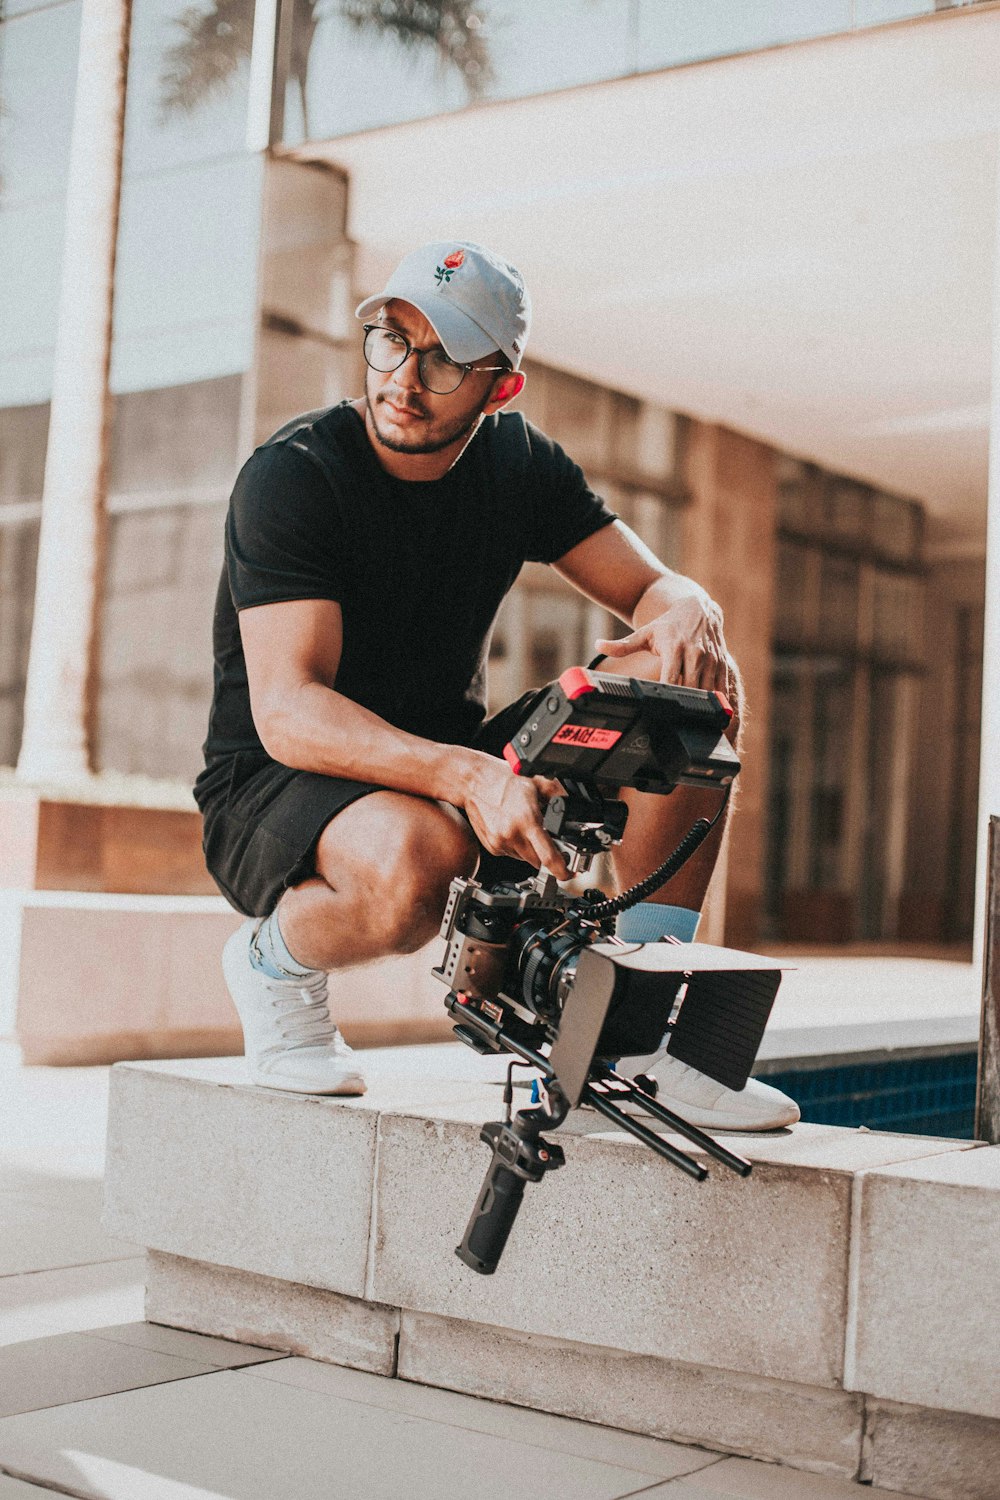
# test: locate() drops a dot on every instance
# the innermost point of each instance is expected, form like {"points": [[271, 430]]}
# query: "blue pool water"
{"points": [[917, 1096]]}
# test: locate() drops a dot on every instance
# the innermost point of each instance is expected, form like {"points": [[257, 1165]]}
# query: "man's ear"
{"points": [[506, 388]]}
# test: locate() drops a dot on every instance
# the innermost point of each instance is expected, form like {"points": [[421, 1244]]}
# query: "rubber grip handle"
{"points": [[492, 1219]]}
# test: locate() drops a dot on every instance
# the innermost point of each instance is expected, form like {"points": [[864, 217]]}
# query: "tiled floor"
{"points": [[96, 1404]]}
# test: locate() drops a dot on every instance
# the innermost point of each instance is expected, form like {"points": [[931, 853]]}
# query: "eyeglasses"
{"points": [[386, 350]]}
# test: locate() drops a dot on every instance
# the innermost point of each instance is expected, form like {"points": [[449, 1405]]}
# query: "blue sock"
{"points": [[649, 922], [270, 956]]}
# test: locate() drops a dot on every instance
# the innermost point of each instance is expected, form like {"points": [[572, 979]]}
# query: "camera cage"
{"points": [[531, 966]]}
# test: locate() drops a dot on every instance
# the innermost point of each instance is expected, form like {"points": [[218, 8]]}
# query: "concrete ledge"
{"points": [[808, 1427], [926, 1281], [717, 1314], [299, 1319], [88, 977]]}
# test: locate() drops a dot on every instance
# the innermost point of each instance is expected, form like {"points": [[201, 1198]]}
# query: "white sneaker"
{"points": [[710, 1105], [288, 1038]]}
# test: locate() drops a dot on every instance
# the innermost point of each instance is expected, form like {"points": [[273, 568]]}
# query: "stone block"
{"points": [[938, 1455], [926, 1284], [99, 978], [808, 1427], [743, 1275], [275, 1314], [279, 1184]]}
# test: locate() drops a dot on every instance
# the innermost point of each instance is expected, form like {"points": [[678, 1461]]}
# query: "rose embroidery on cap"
{"points": [[451, 265]]}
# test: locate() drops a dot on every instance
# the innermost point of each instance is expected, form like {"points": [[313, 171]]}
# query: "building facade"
{"points": [[237, 276]]}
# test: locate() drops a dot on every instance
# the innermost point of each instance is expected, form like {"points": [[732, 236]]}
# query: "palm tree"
{"points": [[212, 43]]}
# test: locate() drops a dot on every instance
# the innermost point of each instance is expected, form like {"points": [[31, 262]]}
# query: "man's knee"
{"points": [[399, 854]]}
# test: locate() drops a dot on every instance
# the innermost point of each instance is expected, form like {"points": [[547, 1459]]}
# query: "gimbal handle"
{"points": [[520, 1155]]}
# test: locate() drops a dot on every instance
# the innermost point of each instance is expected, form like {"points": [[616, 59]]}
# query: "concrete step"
{"points": [[816, 1314]]}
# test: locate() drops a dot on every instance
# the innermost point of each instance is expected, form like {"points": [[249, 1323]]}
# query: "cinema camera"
{"points": [[536, 971]]}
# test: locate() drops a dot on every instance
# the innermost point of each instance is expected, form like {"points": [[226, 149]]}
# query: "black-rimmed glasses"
{"points": [[386, 350]]}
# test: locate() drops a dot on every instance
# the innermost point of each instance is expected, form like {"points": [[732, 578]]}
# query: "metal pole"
{"points": [[989, 762], [987, 1126]]}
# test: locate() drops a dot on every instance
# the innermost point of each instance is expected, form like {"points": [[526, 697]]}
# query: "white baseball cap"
{"points": [[475, 302]]}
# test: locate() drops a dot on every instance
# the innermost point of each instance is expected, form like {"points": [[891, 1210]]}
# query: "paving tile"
{"points": [[72, 1300], [246, 1438], [79, 1195], [223, 1354], [17, 1489], [75, 1367], [42, 1237], [539, 1429], [747, 1479]]}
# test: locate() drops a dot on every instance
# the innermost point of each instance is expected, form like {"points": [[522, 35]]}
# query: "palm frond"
{"points": [[208, 49], [453, 27]]}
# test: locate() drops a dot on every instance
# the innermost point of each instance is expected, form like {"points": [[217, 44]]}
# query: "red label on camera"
{"points": [[585, 734]]}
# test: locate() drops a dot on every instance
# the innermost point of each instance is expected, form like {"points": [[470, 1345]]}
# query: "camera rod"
{"points": [[631, 1091], [610, 1111]]}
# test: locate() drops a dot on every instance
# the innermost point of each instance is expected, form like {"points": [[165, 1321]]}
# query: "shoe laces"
{"points": [[303, 1015]]}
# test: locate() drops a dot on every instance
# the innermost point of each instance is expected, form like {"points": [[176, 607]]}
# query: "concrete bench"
{"points": [[837, 1312]]}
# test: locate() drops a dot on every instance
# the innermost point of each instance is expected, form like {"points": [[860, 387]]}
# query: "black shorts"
{"points": [[262, 820]]}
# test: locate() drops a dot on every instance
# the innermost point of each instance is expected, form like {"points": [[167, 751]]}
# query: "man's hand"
{"points": [[506, 813], [689, 642]]}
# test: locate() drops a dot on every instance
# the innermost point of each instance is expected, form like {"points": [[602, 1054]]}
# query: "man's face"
{"points": [[405, 416]]}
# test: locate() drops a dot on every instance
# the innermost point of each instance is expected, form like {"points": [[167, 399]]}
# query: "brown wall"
{"points": [[729, 547], [940, 870]]}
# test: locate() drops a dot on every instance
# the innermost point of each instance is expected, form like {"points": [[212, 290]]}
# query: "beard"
{"points": [[447, 437]]}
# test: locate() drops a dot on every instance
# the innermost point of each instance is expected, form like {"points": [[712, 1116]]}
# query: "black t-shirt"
{"points": [[418, 568]]}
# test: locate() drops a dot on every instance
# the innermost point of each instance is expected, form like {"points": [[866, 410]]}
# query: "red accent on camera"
{"points": [[512, 758], [588, 736], [576, 681]]}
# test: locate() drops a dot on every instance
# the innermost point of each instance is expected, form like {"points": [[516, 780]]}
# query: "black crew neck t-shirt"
{"points": [[419, 568]]}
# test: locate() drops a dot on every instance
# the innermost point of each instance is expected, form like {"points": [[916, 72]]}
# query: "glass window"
{"points": [[188, 82], [187, 274], [38, 58], [24, 433], [18, 561], [799, 495], [847, 508], [356, 69], [832, 715], [878, 12], [838, 602], [29, 298], [896, 528], [676, 31], [794, 611], [896, 625]]}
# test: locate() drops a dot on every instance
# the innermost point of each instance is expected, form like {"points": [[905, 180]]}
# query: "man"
{"points": [[349, 775]]}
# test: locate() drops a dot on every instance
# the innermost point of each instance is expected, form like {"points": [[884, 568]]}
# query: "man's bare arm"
{"points": [[671, 615], [293, 652]]}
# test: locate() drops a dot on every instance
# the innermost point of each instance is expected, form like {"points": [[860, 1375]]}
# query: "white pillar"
{"points": [[55, 745], [989, 763]]}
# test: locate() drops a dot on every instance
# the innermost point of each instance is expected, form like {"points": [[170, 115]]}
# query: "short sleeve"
{"points": [[283, 538], [566, 510]]}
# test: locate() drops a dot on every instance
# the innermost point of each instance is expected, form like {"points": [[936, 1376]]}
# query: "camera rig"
{"points": [[537, 971]]}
